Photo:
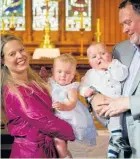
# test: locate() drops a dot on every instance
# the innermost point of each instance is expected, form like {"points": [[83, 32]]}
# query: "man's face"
{"points": [[131, 23]]}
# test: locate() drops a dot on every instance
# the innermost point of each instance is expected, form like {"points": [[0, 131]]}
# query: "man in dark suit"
{"points": [[128, 52]]}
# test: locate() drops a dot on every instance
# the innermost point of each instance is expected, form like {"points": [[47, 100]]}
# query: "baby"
{"points": [[67, 106], [105, 77]]}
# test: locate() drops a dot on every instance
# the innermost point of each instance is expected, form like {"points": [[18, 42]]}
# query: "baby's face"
{"points": [[97, 55], [63, 72]]}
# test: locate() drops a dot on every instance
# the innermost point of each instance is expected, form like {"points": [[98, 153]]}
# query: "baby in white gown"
{"points": [[106, 76], [67, 106]]}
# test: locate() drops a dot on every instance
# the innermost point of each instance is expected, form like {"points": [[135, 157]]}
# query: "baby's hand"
{"points": [[88, 92], [104, 64], [58, 106]]}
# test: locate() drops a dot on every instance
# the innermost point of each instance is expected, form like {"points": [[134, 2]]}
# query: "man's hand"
{"points": [[116, 107], [99, 102]]}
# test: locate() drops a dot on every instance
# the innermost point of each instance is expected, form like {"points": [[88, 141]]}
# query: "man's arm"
{"points": [[119, 52], [100, 101]]}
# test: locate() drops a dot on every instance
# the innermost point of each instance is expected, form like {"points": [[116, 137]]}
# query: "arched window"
{"points": [[78, 15], [40, 17], [13, 14]]}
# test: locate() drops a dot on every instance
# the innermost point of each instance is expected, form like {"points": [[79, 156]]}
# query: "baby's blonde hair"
{"points": [[67, 58], [94, 44]]}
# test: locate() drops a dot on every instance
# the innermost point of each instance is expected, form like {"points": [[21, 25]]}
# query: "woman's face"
{"points": [[15, 57]]}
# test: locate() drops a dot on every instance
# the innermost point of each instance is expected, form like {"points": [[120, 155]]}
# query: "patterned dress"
{"points": [[79, 118]]}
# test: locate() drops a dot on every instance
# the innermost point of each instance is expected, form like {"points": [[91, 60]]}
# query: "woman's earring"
{"points": [[5, 67]]}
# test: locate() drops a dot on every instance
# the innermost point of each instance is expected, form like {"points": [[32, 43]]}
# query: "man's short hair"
{"points": [[135, 4]]}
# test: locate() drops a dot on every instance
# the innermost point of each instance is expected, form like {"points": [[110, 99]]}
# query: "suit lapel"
{"points": [[126, 58], [136, 80], [129, 56], [135, 83]]}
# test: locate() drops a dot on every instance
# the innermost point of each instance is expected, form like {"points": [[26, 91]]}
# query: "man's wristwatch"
{"points": [[89, 99]]}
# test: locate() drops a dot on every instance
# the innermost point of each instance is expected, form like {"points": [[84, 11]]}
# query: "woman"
{"points": [[28, 106]]}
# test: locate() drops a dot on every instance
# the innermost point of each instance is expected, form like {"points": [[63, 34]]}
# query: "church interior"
{"points": [[52, 27]]}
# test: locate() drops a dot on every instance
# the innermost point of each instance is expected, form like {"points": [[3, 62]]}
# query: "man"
{"points": [[128, 52]]}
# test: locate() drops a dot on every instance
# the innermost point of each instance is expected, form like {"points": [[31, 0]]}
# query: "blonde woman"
{"points": [[28, 105]]}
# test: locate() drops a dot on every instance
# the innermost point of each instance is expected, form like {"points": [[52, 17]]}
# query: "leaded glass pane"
{"points": [[39, 14], [78, 15], [12, 12]]}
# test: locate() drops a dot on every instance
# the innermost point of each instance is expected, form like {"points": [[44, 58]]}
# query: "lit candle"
{"points": [[81, 21], [12, 20], [98, 33], [12, 23], [98, 25], [3, 24], [3, 27]]}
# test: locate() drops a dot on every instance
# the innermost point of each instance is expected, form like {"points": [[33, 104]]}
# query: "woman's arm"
{"points": [[39, 116]]}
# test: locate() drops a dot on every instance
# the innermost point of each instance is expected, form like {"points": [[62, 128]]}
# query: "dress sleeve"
{"points": [[37, 115], [75, 85]]}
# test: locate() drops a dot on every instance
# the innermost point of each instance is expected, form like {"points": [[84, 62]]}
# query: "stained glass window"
{"points": [[78, 15], [12, 13], [39, 14]]}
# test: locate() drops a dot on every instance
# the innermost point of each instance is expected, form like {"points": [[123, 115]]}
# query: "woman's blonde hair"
{"points": [[8, 81]]}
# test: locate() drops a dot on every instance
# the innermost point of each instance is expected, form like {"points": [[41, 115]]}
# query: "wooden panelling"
{"points": [[110, 27]]}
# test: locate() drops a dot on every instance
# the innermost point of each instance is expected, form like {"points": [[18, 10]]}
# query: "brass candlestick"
{"points": [[82, 29], [3, 32], [12, 26], [82, 42], [47, 42], [47, 38]]}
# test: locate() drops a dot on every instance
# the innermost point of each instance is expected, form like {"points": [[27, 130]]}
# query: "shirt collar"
{"points": [[136, 48]]}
